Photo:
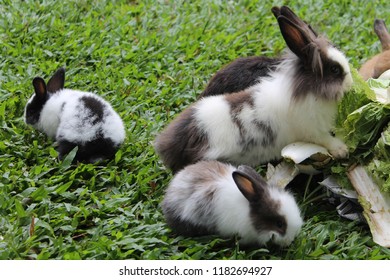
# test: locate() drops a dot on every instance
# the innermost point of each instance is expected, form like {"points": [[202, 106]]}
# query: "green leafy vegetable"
{"points": [[361, 121], [379, 167], [360, 94], [364, 127]]}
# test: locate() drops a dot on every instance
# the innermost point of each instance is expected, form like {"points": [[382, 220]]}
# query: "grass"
{"points": [[150, 59]]}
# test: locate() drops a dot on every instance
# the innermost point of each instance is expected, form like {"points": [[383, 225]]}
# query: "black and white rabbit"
{"points": [[74, 118], [296, 101], [210, 197]]}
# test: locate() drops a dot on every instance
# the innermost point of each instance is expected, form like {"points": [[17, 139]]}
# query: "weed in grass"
{"points": [[150, 60]]}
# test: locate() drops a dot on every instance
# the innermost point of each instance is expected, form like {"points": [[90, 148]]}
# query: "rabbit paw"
{"points": [[337, 148]]}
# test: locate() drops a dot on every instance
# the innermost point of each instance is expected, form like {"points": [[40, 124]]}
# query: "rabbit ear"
{"points": [[383, 35], [39, 87], [276, 11], [302, 41], [297, 39], [288, 13], [56, 82], [250, 187]]}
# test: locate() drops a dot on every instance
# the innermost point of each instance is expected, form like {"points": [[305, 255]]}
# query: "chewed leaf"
{"points": [[301, 151], [282, 174], [307, 157]]}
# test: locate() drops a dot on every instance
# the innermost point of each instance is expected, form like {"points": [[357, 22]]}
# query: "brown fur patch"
{"points": [[368, 68], [207, 171], [181, 143], [269, 134], [237, 102], [383, 64], [382, 33], [379, 63]]}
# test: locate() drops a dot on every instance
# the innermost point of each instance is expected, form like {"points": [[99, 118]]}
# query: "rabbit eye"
{"points": [[335, 69], [279, 224]]}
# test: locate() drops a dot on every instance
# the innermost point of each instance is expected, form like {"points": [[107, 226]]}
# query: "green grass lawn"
{"points": [[150, 59]]}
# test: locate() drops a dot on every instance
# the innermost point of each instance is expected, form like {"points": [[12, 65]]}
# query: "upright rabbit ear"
{"points": [[56, 82], [276, 11], [297, 39], [251, 185], [288, 13], [383, 35], [40, 87]]}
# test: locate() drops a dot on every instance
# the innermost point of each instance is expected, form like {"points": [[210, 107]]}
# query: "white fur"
{"points": [[338, 56], [229, 210], [310, 119], [290, 210], [64, 116]]}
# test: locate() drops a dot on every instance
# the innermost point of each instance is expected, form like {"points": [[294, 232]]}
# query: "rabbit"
{"points": [[74, 118], [297, 101], [378, 64], [210, 197]]}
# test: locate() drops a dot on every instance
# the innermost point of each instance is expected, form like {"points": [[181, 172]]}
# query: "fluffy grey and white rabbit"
{"points": [[295, 101], [74, 118], [211, 197]]}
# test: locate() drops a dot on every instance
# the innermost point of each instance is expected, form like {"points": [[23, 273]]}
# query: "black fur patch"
{"points": [[265, 217], [323, 78], [202, 212], [95, 107], [57, 81], [240, 74], [268, 132], [89, 152], [64, 147], [34, 109], [62, 107], [202, 209], [181, 143], [237, 101], [185, 228]]}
